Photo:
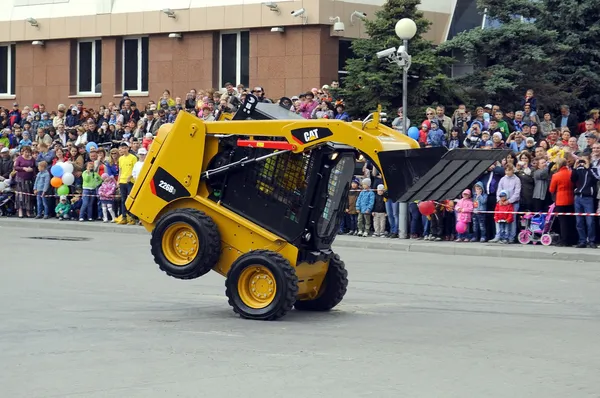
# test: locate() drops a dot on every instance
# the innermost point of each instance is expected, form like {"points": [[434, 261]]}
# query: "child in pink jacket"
{"points": [[464, 211]]}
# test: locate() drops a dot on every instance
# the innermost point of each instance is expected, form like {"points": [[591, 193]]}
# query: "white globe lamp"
{"points": [[406, 29]]}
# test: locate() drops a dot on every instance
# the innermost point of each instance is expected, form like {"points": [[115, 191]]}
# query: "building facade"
{"points": [[59, 51]]}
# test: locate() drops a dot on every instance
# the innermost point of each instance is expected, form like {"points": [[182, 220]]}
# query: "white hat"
{"points": [[4, 150], [149, 135], [380, 187], [142, 151]]}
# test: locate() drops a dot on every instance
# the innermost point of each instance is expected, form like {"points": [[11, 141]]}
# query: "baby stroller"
{"points": [[7, 203], [538, 227]]}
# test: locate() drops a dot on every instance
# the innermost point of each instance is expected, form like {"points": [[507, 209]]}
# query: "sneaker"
{"points": [[581, 246], [466, 240], [483, 240], [365, 234], [384, 236], [437, 239], [458, 240], [376, 235], [81, 220], [504, 241], [45, 217], [38, 217], [90, 219], [593, 246], [105, 220], [395, 236], [495, 240], [427, 237], [473, 240], [356, 233]]}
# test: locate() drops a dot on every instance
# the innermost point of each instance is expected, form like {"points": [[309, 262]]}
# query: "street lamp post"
{"points": [[405, 29]]}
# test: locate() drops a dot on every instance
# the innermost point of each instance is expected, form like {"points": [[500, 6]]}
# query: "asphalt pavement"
{"points": [[512, 252], [90, 315]]}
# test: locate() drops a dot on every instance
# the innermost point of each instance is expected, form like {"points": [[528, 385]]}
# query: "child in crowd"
{"points": [[437, 223], [91, 181], [454, 140], [76, 203], [464, 210], [364, 205], [531, 100], [106, 192], [351, 216], [25, 141], [503, 217], [435, 136], [63, 208], [379, 214], [147, 141], [479, 204], [40, 186]]}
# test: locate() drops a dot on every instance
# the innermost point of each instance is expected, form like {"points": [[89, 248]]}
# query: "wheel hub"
{"points": [[257, 286], [180, 244]]}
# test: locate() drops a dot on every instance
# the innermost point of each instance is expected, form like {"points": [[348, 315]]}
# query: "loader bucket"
{"points": [[434, 173]]}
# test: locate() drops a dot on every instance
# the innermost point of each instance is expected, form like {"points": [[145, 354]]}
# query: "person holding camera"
{"points": [[585, 190]]}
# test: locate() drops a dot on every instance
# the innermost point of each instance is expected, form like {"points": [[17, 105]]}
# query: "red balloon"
{"points": [[461, 227], [427, 208]]}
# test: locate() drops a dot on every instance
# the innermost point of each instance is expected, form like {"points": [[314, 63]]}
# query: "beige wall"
{"points": [[204, 19]]}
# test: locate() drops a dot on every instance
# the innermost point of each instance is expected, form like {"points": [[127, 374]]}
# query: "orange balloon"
{"points": [[56, 182]]}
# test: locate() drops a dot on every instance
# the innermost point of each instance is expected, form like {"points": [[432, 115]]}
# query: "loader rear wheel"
{"points": [[332, 289], [261, 285], [186, 243]]}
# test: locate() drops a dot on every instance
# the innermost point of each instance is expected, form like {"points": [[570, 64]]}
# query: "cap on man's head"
{"points": [[295, 98], [380, 187], [142, 151], [4, 150], [63, 197], [488, 106], [123, 144], [592, 136], [125, 94], [150, 112], [15, 104], [148, 135]]}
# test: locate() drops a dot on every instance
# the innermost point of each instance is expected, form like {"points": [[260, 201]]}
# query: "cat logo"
{"points": [[311, 135], [305, 135]]}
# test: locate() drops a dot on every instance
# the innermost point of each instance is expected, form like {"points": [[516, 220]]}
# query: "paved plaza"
{"points": [[96, 318]]}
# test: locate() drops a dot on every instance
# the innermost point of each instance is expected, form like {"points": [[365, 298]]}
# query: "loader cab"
{"points": [[299, 197]]}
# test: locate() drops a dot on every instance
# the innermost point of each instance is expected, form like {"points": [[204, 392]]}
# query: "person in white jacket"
{"points": [[137, 167]]}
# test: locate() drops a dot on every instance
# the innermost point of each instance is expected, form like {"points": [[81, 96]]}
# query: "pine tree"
{"points": [[512, 56], [372, 81], [576, 53]]}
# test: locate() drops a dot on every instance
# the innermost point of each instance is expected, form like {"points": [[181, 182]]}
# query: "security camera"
{"points": [[359, 15], [174, 35], [279, 29], [298, 13], [339, 27], [386, 53]]}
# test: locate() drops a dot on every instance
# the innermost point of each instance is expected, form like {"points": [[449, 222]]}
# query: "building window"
{"points": [[7, 69], [345, 53], [135, 64], [234, 58], [89, 66]]}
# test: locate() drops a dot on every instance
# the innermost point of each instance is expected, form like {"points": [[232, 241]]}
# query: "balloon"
{"points": [[63, 190], [427, 208], [67, 167], [91, 145], [413, 133], [68, 179], [57, 170], [461, 227], [56, 182]]}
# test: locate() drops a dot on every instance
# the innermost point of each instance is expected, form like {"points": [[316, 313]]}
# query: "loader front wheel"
{"points": [[332, 289], [261, 285], [186, 243]]}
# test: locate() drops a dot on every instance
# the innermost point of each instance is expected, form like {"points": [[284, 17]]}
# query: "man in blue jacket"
{"points": [[585, 192]]}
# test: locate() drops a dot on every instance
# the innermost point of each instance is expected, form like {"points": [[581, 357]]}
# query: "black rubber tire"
{"points": [[209, 242], [332, 291], [285, 279]]}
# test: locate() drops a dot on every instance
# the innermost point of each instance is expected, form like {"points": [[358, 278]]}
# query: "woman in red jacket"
{"points": [[562, 189]]}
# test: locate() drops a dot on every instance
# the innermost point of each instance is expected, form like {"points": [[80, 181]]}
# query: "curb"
{"points": [[399, 245], [516, 251]]}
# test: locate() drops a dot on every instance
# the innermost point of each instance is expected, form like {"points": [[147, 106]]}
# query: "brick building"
{"points": [[58, 51]]}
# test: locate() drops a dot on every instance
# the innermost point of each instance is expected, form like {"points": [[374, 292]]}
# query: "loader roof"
{"points": [[255, 110]]}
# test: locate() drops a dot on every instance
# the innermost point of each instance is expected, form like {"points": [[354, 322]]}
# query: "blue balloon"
{"points": [[57, 171], [413, 133], [91, 145]]}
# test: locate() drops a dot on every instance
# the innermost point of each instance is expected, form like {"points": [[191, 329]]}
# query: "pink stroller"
{"points": [[537, 228]]}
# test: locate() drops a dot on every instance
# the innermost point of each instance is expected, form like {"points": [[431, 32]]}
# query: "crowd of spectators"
{"points": [[554, 159]]}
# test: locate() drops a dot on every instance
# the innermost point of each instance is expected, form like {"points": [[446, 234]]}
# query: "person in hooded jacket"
{"points": [[585, 190], [562, 187], [490, 180]]}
